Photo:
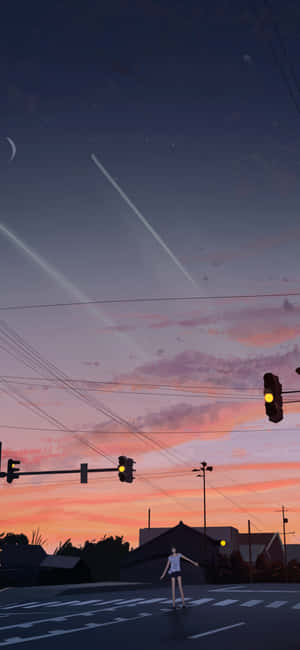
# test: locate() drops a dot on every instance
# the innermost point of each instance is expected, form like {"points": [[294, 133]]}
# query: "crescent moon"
{"points": [[13, 148]]}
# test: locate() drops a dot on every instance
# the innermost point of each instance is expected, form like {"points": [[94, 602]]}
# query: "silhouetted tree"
{"points": [[104, 558], [37, 538], [13, 538], [67, 548]]}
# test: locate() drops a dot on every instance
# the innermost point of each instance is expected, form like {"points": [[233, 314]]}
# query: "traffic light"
{"points": [[273, 397], [12, 470], [125, 469]]}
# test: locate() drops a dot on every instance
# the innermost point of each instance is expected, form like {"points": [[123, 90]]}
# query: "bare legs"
{"points": [[180, 589], [173, 590]]}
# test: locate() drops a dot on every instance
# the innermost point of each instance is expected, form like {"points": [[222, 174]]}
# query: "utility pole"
{"points": [[250, 553], [285, 521], [148, 517], [204, 468]]}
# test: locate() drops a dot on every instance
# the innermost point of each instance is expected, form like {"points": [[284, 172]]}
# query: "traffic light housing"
{"points": [[12, 470], [273, 397], [125, 469]]}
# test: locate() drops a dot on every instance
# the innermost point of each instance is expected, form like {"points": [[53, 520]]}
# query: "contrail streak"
{"points": [[144, 221], [67, 285]]}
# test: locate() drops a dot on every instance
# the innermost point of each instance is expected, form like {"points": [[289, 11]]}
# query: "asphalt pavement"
{"points": [[258, 616]]}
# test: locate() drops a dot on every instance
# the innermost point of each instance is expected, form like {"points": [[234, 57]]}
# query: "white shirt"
{"points": [[174, 562]]}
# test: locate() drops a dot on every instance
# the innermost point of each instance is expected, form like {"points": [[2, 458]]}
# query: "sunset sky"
{"points": [[194, 112]]}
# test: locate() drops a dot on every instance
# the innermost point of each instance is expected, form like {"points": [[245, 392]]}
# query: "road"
{"points": [[259, 616]]}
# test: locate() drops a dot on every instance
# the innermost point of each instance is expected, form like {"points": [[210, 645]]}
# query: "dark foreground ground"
{"points": [[231, 617]]}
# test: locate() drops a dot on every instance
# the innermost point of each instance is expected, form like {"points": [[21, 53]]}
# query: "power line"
{"points": [[165, 299], [123, 383], [15, 341], [176, 394], [66, 483], [27, 351], [234, 503], [167, 432]]}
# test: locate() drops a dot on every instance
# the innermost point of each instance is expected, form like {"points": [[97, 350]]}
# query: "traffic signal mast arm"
{"points": [[13, 472]]}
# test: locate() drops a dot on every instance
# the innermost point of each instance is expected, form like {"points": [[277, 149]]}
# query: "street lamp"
{"points": [[205, 468]]}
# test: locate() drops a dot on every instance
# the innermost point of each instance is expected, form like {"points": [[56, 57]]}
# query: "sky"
{"points": [[156, 157]]}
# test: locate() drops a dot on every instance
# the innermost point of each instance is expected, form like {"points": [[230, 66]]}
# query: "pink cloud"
{"points": [[193, 366]]}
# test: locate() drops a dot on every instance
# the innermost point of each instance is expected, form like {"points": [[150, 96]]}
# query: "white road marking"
{"points": [[277, 603], [85, 628], [201, 601], [124, 601], [227, 588], [224, 603], [52, 603], [90, 602], [251, 603], [18, 605], [220, 629], [74, 603], [264, 591], [152, 600], [169, 601], [296, 606]]}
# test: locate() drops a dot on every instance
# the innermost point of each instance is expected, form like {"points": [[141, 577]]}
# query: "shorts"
{"points": [[174, 574]]}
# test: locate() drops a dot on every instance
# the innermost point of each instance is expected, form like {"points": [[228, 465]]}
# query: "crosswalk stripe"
{"points": [[152, 600], [201, 601], [277, 603], [62, 602], [224, 603], [90, 602], [124, 602], [251, 603], [51, 602], [168, 601], [18, 605]]}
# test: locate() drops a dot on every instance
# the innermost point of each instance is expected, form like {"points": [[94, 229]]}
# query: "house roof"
{"points": [[256, 550], [60, 561], [160, 545], [22, 554], [258, 538], [260, 543]]}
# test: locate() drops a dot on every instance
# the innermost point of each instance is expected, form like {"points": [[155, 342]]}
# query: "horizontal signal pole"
{"points": [[62, 471]]}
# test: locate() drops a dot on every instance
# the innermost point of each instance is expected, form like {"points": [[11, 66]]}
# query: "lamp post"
{"points": [[204, 468]]}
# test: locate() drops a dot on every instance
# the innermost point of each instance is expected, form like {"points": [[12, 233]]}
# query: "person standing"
{"points": [[175, 572]]}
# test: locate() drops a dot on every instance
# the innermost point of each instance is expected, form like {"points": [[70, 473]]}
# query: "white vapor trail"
{"points": [[63, 282], [144, 221]]}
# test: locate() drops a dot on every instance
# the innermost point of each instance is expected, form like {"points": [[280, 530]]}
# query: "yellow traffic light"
{"points": [[223, 542], [269, 397], [121, 468]]}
